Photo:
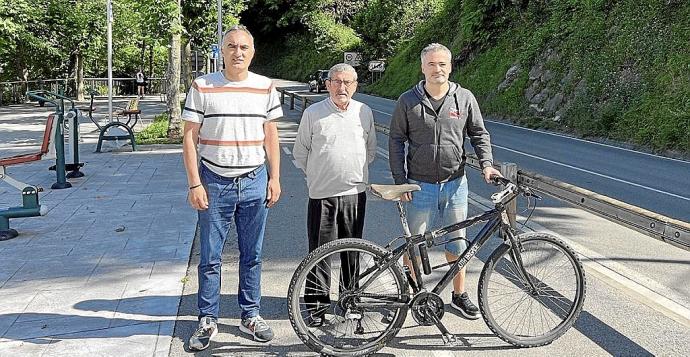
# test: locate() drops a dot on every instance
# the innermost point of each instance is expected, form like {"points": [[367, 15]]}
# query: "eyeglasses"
{"points": [[338, 82]]}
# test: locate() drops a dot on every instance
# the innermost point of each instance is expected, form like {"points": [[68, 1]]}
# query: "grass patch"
{"points": [[156, 133]]}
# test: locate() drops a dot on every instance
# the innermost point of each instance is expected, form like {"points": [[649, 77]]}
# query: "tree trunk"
{"points": [[22, 75], [143, 55], [173, 76], [186, 65], [151, 60], [80, 76]]}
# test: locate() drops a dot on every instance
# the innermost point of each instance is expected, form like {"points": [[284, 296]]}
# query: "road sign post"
{"points": [[377, 66]]}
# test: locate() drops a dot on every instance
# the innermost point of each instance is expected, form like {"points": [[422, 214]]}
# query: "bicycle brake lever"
{"points": [[529, 193]]}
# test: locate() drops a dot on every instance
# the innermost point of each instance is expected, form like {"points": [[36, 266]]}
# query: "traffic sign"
{"points": [[353, 58], [214, 51], [377, 66]]}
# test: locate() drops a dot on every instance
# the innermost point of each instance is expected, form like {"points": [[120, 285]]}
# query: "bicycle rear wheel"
{"points": [[532, 318], [331, 312]]}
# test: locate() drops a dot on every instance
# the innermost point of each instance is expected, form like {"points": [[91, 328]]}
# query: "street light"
{"points": [[219, 61], [109, 10]]}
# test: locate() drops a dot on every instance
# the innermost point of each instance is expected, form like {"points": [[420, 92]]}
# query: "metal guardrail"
{"points": [[652, 224]]}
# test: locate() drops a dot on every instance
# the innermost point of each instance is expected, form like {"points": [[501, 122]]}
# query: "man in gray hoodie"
{"points": [[433, 118], [335, 143]]}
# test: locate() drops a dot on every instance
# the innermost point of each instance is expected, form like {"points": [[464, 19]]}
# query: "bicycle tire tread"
{"points": [[319, 253], [549, 338]]}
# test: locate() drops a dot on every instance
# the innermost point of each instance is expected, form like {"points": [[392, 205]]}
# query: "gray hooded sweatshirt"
{"points": [[435, 151]]}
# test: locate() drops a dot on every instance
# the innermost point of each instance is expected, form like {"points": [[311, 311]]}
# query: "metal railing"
{"points": [[652, 224], [15, 92]]}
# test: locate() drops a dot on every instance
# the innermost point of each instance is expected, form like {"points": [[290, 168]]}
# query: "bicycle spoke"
{"points": [[356, 318], [540, 311]]}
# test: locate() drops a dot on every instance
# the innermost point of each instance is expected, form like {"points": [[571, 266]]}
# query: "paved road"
{"points": [[613, 321], [652, 182], [609, 243]]}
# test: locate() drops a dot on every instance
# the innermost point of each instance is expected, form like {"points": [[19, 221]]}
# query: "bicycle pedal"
{"points": [[359, 330], [450, 340]]}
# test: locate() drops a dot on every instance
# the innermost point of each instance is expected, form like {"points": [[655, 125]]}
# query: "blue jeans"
{"points": [[441, 203], [242, 200]]}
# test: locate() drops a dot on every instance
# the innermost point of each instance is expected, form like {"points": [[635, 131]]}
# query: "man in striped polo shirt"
{"points": [[230, 129]]}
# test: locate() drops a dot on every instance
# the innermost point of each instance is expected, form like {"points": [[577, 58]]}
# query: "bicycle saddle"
{"points": [[392, 192]]}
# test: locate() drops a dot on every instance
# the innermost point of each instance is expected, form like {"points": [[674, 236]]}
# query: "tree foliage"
{"points": [[42, 39]]}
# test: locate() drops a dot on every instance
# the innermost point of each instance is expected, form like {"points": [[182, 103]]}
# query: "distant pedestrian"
{"points": [[141, 83], [230, 127]]}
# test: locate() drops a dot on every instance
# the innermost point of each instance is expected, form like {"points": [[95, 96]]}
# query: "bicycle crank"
{"points": [[425, 304]]}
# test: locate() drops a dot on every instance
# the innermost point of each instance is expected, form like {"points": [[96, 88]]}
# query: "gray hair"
{"points": [[435, 47], [238, 28], [342, 67]]}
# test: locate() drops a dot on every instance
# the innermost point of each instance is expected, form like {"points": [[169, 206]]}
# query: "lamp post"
{"points": [[219, 61], [109, 10]]}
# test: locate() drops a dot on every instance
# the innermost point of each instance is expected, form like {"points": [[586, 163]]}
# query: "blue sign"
{"points": [[214, 51]]}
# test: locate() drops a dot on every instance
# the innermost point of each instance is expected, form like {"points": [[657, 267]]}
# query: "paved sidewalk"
{"points": [[102, 272]]}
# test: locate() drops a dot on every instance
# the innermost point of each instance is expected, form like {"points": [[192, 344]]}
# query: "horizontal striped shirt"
{"points": [[232, 115]]}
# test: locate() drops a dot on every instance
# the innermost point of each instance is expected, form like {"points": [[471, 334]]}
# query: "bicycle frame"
{"points": [[496, 219]]}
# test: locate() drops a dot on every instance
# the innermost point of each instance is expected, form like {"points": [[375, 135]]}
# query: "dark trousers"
{"points": [[327, 220]]}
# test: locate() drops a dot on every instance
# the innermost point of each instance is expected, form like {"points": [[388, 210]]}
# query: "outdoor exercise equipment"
{"points": [[109, 131], [71, 119], [30, 205], [58, 101]]}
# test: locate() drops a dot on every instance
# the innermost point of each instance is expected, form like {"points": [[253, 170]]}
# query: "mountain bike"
{"points": [[350, 297]]}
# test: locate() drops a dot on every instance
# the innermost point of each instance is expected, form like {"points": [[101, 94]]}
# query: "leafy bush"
{"points": [[156, 132]]}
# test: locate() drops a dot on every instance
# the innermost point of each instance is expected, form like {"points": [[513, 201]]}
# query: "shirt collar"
{"points": [[330, 101]]}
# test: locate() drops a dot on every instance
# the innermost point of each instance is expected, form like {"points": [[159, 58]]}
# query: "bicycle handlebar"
{"points": [[510, 187]]}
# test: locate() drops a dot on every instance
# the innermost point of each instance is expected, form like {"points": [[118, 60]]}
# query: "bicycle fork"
{"points": [[516, 257]]}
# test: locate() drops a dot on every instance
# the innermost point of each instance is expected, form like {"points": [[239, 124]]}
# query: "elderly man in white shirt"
{"points": [[336, 142]]}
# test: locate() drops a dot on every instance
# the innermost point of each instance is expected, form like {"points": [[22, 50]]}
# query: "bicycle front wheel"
{"points": [[528, 317], [343, 301]]}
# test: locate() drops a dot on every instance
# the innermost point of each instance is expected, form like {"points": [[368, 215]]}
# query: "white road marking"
{"points": [[618, 276], [587, 141], [571, 138], [286, 150], [580, 169], [593, 173], [378, 111]]}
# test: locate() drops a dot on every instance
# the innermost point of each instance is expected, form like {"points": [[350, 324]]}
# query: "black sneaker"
{"points": [[463, 304], [257, 327], [204, 333]]}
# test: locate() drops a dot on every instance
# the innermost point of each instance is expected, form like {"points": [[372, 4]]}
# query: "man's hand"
{"points": [[272, 192], [490, 171], [406, 197], [198, 198]]}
